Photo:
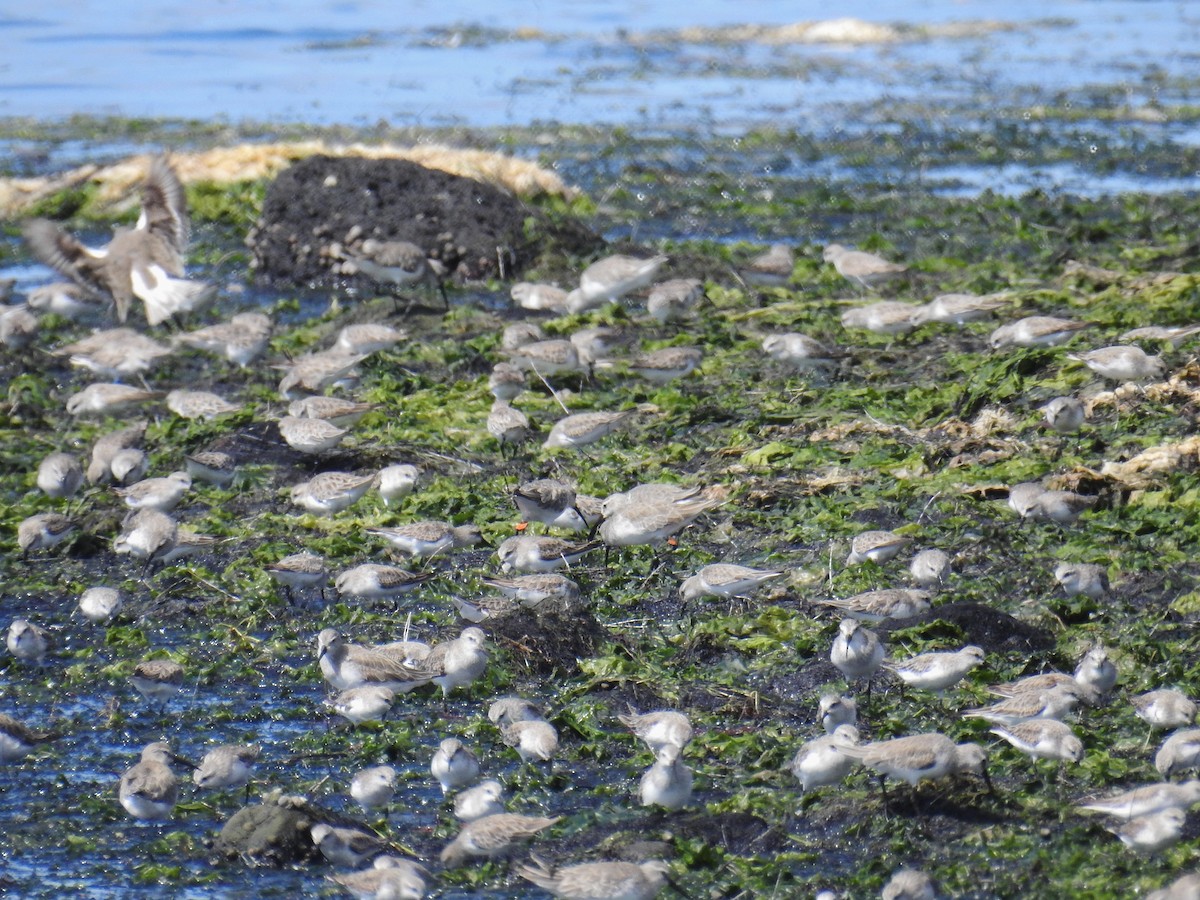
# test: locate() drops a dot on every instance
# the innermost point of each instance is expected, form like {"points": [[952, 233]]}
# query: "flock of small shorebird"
{"points": [[146, 264]]}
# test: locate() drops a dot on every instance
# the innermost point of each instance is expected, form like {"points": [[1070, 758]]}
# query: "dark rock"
{"points": [[320, 205], [276, 832], [267, 835]]}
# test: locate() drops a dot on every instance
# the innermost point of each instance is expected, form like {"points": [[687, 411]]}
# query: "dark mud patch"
{"points": [[814, 677], [551, 642], [735, 833], [976, 623], [739, 833], [475, 230]]}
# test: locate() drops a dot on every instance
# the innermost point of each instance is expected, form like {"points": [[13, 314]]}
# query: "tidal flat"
{"points": [[920, 433]]}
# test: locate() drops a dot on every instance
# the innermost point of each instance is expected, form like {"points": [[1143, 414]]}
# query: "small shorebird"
{"points": [[485, 799], [397, 264], [107, 447], [147, 534], [865, 269], [1043, 739], [1049, 704], [1035, 331], [668, 782], [18, 740], [819, 762], [876, 546], [770, 269], [959, 309], [59, 476], [227, 766], [241, 340], [456, 663], [611, 278], [665, 365], [1152, 832], [652, 522], [551, 502], [1165, 708], [397, 481], [530, 553], [369, 703], [335, 410], [836, 709], [115, 353], [420, 540], [346, 666], [539, 297], [43, 531], [388, 878], [1179, 752], [298, 571], [454, 765], [930, 567], [140, 263], [199, 404], [1064, 415], [533, 739], [105, 399], [330, 492], [28, 642], [313, 374], [937, 671], [725, 580], [159, 494], [507, 710], [372, 581], [659, 728], [920, 757], [546, 358], [537, 588], [581, 429], [492, 836], [508, 425], [311, 436], [801, 352], [1122, 363], [149, 789], [99, 604], [876, 606], [373, 787], [885, 317], [507, 382], [857, 652], [1151, 798], [599, 880], [158, 680], [672, 301], [368, 337], [129, 466], [346, 846]]}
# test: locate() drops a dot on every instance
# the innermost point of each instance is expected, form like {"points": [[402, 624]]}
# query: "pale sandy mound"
{"points": [[117, 184]]}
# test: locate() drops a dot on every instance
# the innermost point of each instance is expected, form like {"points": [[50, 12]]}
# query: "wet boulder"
{"points": [[276, 831]]}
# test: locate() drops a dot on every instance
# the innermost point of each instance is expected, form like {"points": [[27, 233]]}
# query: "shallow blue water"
{"points": [[478, 64], [426, 63]]}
